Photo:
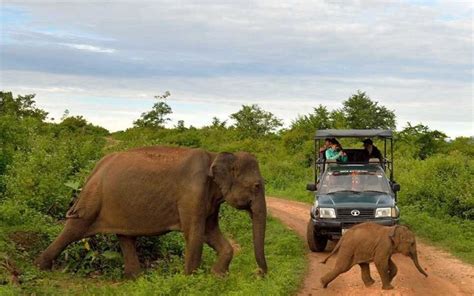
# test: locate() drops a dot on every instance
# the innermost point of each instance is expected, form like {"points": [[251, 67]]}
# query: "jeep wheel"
{"points": [[315, 243]]}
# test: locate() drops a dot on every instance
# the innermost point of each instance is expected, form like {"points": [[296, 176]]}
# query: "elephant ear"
{"points": [[394, 235], [221, 171]]}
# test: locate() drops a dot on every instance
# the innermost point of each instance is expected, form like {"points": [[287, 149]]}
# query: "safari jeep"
{"points": [[352, 192]]}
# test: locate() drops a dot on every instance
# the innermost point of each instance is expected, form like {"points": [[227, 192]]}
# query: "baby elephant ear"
{"points": [[393, 234], [221, 170]]}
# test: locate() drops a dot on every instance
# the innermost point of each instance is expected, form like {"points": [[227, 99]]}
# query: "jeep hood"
{"points": [[340, 200]]}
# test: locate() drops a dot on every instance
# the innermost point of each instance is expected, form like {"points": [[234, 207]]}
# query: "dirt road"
{"points": [[447, 275]]}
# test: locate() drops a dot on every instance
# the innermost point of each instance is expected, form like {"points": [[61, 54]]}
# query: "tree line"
{"points": [[358, 111]]}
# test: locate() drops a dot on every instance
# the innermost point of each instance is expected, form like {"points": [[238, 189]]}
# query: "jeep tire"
{"points": [[315, 243]]}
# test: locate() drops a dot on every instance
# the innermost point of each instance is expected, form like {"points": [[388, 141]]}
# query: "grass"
{"points": [[296, 192], [284, 250]]}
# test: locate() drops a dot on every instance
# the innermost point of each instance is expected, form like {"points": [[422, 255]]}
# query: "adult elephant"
{"points": [[370, 242], [154, 190]]}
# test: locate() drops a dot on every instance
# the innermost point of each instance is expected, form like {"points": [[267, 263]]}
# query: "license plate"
{"points": [[344, 231]]}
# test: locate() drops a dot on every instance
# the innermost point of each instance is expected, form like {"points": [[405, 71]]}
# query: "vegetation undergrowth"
{"points": [[285, 255]]}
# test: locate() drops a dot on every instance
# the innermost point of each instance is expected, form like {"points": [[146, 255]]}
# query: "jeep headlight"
{"points": [[327, 213], [385, 212], [315, 210]]}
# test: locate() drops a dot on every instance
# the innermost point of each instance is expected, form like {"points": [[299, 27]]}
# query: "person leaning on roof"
{"points": [[336, 152], [371, 150]]}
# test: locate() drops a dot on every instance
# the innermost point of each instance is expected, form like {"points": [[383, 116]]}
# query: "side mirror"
{"points": [[395, 187], [311, 187]]}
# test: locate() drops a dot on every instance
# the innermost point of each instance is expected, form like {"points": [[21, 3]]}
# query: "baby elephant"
{"points": [[367, 242]]}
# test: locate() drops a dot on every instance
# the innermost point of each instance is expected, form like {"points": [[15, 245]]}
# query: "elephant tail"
{"points": [[72, 212], [76, 211], [334, 251]]}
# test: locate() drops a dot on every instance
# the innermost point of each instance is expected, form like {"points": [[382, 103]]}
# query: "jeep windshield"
{"points": [[354, 181]]}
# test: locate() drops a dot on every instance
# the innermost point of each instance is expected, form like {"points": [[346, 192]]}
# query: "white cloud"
{"points": [[214, 56], [91, 48]]}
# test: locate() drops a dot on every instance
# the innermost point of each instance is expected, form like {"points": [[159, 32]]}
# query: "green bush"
{"points": [[37, 176], [442, 184]]}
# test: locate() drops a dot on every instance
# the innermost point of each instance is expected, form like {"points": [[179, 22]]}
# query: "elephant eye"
{"points": [[257, 186]]}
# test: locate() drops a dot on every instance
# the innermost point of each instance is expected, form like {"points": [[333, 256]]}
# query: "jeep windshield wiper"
{"points": [[353, 191], [376, 191]]}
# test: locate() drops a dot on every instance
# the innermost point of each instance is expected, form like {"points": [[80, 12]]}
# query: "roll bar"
{"points": [[386, 162]]}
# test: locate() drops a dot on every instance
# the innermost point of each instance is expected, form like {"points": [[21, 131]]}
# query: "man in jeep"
{"points": [[371, 150]]}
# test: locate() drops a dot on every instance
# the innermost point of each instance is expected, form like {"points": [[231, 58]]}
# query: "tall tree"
{"points": [[158, 115], [319, 119], [21, 106], [424, 141], [338, 119], [217, 123], [252, 121], [180, 126], [363, 113], [78, 124]]}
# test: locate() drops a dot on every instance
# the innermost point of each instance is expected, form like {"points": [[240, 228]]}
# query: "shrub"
{"points": [[37, 176], [442, 184]]}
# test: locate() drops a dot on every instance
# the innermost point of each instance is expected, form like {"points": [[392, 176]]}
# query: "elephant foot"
{"points": [[260, 272], [324, 284], [219, 271], [43, 263], [387, 287], [131, 274], [369, 283]]}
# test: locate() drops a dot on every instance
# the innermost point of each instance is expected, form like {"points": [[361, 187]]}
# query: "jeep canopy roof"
{"points": [[353, 133]]}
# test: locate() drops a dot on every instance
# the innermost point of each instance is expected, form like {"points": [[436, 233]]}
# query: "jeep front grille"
{"points": [[345, 213]]}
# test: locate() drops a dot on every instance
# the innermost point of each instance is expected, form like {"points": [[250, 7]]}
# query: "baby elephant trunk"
{"points": [[414, 257]]}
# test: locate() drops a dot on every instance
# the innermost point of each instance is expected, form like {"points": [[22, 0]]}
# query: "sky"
{"points": [[106, 60]]}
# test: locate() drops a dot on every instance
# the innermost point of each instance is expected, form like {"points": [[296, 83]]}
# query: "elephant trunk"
{"points": [[258, 212], [414, 257]]}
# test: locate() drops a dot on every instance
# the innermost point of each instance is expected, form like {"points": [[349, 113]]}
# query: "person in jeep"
{"points": [[327, 145], [371, 150], [336, 152]]}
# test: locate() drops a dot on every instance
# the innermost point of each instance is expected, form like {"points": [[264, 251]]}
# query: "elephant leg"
{"points": [[74, 230], [383, 269], [392, 269], [194, 239], [339, 268], [365, 272], [130, 257], [216, 240]]}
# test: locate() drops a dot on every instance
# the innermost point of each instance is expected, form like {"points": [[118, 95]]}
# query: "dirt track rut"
{"points": [[447, 275]]}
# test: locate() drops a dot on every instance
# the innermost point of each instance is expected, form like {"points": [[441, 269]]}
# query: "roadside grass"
{"points": [[293, 192], [284, 251]]}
